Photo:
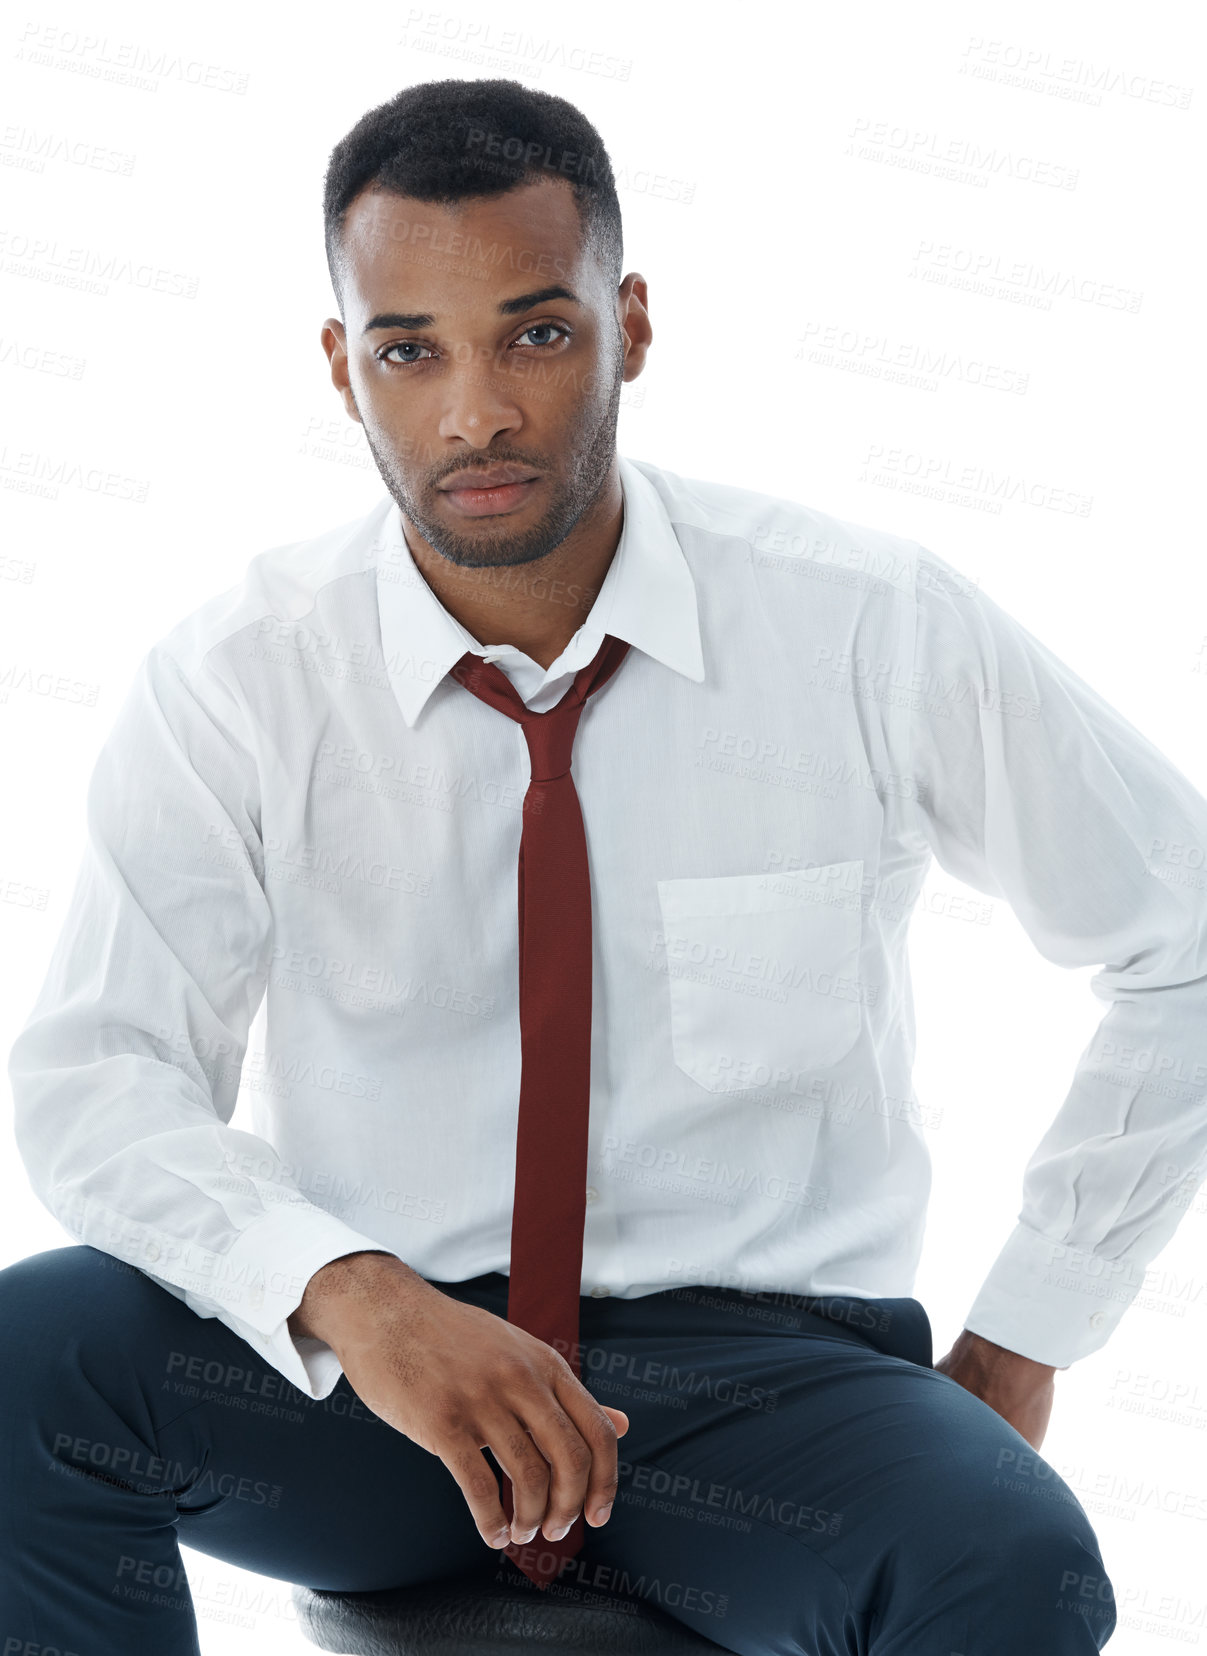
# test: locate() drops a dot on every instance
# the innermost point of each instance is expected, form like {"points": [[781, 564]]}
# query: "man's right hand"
{"points": [[456, 1379]]}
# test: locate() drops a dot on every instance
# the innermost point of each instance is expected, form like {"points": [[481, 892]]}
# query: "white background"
{"points": [[764, 218]]}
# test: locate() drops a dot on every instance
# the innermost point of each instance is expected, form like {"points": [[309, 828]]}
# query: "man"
{"points": [[295, 1347]]}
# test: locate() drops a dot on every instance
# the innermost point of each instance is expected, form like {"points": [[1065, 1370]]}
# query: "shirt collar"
{"points": [[647, 597]]}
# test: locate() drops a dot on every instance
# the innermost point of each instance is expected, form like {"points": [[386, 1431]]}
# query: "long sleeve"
{"points": [[1030, 787], [126, 1073]]}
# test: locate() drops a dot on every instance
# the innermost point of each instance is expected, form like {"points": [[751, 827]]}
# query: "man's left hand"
{"points": [[1020, 1390]]}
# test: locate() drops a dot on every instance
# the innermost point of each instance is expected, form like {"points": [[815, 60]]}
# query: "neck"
{"points": [[536, 606]]}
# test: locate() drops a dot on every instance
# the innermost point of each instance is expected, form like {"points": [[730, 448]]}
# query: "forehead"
{"points": [[429, 256]]}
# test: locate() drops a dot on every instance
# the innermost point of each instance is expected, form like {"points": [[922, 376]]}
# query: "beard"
{"points": [[591, 445]]}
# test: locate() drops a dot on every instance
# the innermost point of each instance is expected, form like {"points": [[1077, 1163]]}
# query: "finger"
{"points": [[596, 1427], [478, 1484], [567, 1453], [527, 1468]]}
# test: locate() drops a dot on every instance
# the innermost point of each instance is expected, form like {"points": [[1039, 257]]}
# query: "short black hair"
{"points": [[447, 140]]}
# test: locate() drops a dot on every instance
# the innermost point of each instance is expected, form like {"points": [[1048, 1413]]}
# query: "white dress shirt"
{"points": [[299, 894]]}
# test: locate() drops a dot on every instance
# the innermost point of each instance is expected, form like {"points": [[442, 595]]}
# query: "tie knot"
{"points": [[550, 736]]}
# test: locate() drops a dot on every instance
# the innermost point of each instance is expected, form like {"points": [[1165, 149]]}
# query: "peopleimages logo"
{"points": [[1018, 281], [1039, 70]]}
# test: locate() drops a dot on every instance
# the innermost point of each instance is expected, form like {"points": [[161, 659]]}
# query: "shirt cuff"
{"points": [[261, 1279], [1051, 1301], [323, 1368]]}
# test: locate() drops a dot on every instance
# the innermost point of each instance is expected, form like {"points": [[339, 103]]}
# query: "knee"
{"points": [[61, 1281], [1025, 1544], [1058, 1556], [1088, 1594], [52, 1303]]}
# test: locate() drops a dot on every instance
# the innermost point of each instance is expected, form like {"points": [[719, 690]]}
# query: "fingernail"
{"points": [[601, 1517], [558, 1534]]}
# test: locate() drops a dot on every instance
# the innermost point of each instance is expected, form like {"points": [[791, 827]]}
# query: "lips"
{"points": [[490, 502], [494, 478]]}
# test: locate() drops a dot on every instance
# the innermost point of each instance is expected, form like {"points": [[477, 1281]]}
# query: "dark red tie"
{"points": [[550, 1204]]}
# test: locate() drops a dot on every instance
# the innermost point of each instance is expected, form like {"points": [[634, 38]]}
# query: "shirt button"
{"points": [[255, 1297], [600, 1293], [152, 1250], [592, 1194], [1098, 1318]]}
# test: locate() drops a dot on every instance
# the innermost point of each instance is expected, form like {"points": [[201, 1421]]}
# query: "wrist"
{"points": [[994, 1358], [342, 1289]]}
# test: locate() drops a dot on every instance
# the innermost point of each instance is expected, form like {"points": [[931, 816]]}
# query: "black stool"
{"points": [[470, 1616]]}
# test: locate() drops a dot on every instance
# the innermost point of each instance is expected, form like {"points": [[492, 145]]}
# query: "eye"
{"points": [[544, 327], [402, 345]]}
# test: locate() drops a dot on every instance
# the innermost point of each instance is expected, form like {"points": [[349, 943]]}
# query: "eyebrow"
{"points": [[507, 307]]}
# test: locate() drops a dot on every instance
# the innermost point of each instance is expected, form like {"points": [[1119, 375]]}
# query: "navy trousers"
{"points": [[797, 1479]]}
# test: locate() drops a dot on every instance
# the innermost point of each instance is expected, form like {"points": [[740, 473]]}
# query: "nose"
{"points": [[477, 407]]}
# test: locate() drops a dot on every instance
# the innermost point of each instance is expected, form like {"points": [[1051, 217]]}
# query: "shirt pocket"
{"points": [[762, 972]]}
